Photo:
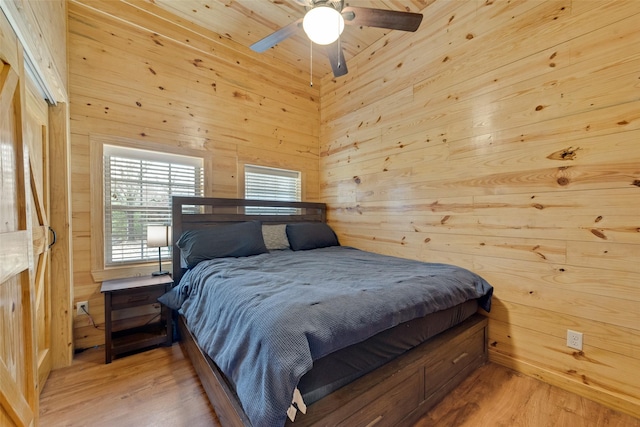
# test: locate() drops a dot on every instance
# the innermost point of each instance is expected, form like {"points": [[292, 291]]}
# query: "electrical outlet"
{"points": [[574, 339], [79, 307]]}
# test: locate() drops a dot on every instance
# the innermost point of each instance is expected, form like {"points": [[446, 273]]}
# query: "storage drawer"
{"points": [[390, 408], [443, 369], [136, 297]]}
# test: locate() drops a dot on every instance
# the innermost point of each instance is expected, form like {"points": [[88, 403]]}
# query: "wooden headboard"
{"points": [[189, 213]]}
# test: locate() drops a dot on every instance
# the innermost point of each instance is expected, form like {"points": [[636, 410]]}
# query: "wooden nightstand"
{"points": [[136, 292]]}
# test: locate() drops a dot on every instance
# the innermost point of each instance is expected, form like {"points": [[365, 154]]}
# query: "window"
{"points": [[138, 186], [262, 183]]}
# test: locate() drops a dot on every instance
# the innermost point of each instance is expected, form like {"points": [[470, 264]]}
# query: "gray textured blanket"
{"points": [[264, 319]]}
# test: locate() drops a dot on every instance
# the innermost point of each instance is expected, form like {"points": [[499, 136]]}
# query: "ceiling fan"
{"points": [[324, 22]]}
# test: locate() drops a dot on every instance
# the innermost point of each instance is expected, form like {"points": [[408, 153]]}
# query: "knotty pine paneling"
{"points": [[503, 137], [41, 26], [137, 78]]}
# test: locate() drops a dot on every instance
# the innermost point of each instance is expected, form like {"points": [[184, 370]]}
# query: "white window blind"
{"points": [[263, 183], [138, 186]]}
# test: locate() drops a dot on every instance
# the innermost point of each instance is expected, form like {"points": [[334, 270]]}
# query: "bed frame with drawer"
{"points": [[398, 393]]}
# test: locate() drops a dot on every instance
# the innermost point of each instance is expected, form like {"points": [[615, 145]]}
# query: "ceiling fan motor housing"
{"points": [[310, 4]]}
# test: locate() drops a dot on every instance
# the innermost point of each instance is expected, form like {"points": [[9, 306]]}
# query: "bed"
{"points": [[344, 356]]}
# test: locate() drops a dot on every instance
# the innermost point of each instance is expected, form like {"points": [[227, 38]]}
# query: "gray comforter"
{"points": [[264, 319]]}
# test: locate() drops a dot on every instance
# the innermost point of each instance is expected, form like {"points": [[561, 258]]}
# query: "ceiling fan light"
{"points": [[323, 25]]}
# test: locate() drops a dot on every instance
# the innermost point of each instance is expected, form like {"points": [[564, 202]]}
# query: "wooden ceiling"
{"points": [[247, 21]]}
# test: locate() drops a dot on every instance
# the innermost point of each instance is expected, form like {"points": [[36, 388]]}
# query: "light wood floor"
{"points": [[159, 388]]}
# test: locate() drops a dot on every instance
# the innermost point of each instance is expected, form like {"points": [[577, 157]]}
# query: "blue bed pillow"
{"points": [[311, 235], [232, 240]]}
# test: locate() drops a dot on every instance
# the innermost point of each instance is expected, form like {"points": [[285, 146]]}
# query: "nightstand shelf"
{"points": [[136, 292], [136, 338]]}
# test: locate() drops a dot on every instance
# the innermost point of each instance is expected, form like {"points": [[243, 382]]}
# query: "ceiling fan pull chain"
{"points": [[339, 47], [310, 63]]}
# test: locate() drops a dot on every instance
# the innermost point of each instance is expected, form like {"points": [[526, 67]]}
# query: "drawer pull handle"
{"points": [[459, 358], [374, 422]]}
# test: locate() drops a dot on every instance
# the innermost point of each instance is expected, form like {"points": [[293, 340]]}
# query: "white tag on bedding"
{"points": [[291, 413], [297, 399]]}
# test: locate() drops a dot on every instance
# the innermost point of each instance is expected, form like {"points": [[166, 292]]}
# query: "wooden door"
{"points": [[37, 140], [18, 381]]}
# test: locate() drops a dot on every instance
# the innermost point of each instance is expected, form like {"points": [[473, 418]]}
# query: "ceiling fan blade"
{"points": [[336, 58], [381, 18], [275, 38]]}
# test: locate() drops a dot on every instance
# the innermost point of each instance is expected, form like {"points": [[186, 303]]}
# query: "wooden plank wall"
{"points": [[504, 136], [138, 78], [41, 25]]}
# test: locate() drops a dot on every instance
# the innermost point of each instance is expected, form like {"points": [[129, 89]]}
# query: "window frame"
{"points": [[92, 224], [136, 171]]}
